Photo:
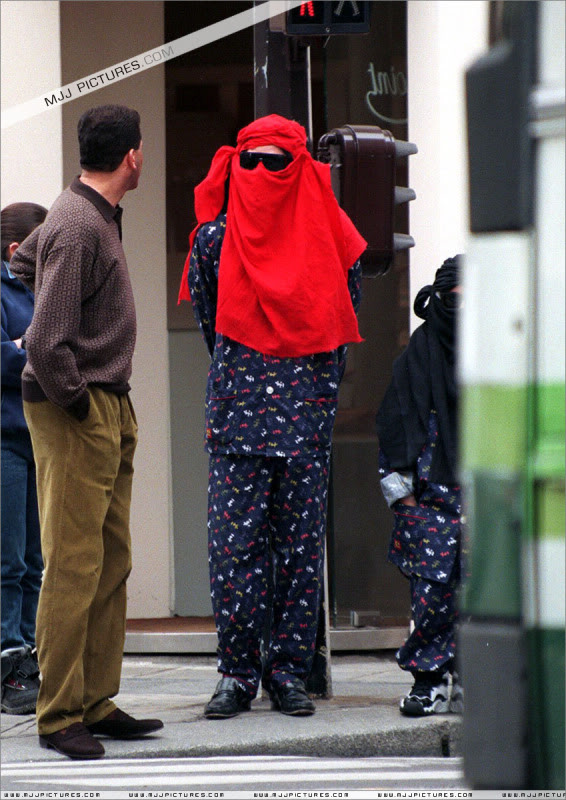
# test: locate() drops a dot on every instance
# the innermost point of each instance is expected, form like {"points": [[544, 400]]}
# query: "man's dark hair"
{"points": [[106, 134], [18, 220]]}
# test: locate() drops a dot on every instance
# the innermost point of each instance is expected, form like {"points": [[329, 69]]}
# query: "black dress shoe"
{"points": [[291, 698], [119, 725], [75, 742], [229, 699]]}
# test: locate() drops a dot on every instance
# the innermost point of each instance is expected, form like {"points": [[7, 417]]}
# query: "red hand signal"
{"points": [[307, 7]]}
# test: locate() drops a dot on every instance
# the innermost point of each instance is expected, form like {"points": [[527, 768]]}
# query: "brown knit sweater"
{"points": [[83, 330]]}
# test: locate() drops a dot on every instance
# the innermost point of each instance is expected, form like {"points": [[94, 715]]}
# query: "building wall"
{"points": [[443, 39], [62, 42], [92, 38], [32, 155]]}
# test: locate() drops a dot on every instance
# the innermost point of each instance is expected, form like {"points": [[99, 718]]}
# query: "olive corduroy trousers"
{"points": [[84, 480]]}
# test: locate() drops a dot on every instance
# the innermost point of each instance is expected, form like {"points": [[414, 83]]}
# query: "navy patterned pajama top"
{"points": [[258, 404]]}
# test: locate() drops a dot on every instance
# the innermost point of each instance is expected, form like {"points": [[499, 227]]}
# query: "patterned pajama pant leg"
{"points": [[431, 644], [267, 521]]}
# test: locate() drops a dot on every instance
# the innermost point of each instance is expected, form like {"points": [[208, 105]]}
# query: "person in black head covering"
{"points": [[417, 427]]}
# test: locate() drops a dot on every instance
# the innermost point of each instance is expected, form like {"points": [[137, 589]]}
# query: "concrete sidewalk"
{"points": [[361, 719]]}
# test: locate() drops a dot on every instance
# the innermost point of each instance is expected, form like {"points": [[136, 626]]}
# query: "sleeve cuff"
{"points": [[80, 408], [396, 485]]}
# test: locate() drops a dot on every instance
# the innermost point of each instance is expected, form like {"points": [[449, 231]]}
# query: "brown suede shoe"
{"points": [[119, 725], [75, 742]]}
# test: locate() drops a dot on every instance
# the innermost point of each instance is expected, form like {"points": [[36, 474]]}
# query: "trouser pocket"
{"points": [[424, 542]]}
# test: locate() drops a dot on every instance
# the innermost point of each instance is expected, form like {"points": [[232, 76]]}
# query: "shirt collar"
{"points": [[6, 266], [108, 211]]}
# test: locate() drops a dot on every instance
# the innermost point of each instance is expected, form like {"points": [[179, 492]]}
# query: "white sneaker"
{"points": [[425, 697], [457, 696]]}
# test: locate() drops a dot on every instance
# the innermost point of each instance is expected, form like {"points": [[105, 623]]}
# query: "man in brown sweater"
{"points": [[75, 387]]}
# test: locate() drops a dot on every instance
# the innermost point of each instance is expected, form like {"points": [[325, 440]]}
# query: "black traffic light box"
{"points": [[324, 18], [363, 161]]}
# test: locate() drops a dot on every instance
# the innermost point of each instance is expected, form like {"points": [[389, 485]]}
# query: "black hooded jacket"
{"points": [[424, 378]]}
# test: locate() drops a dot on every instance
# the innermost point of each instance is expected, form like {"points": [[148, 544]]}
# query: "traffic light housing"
{"points": [[363, 161], [322, 18]]}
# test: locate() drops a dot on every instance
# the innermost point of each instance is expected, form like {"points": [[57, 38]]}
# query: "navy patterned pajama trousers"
{"points": [[266, 524], [431, 645]]}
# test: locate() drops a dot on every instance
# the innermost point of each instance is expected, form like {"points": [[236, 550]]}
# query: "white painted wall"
{"points": [[44, 46], [444, 38], [95, 35], [32, 153]]}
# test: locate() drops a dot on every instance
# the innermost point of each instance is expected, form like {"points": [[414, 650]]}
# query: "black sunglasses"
{"points": [[451, 299], [274, 162]]}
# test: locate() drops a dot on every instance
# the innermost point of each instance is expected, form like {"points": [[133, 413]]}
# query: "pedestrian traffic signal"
{"points": [[321, 18], [363, 161]]}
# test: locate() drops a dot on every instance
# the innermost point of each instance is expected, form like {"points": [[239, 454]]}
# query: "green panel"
{"points": [[494, 512], [550, 400], [549, 444], [550, 509], [546, 709], [549, 459], [493, 429]]}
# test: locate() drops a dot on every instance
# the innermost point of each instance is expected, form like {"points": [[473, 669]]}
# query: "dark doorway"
{"points": [[209, 97]]}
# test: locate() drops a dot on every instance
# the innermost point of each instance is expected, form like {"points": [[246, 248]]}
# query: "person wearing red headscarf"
{"points": [[274, 277]]}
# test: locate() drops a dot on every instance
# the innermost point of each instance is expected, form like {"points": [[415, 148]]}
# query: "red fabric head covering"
{"points": [[288, 246]]}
